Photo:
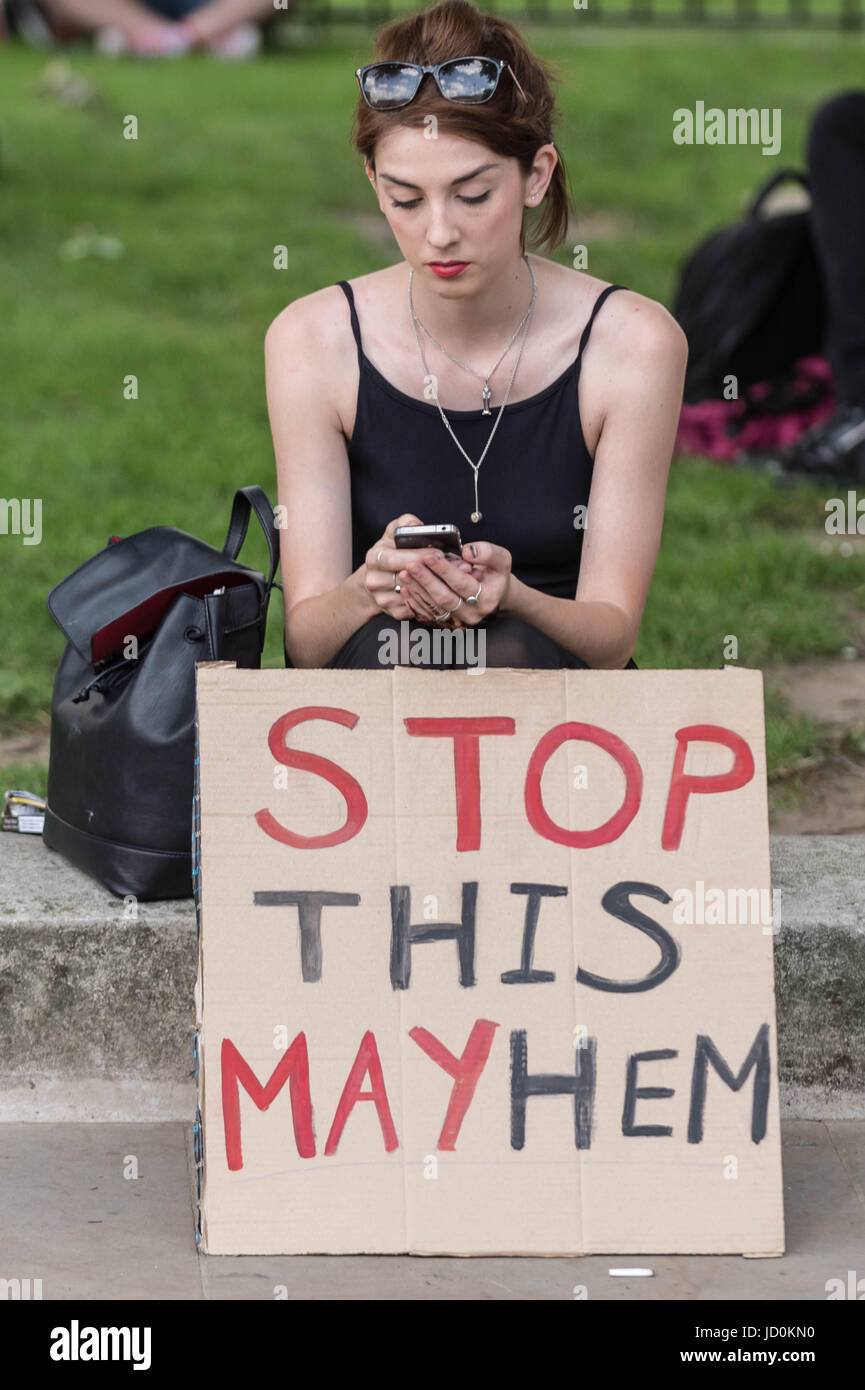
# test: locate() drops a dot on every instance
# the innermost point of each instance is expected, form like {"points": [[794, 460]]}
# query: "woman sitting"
{"points": [[532, 405]]}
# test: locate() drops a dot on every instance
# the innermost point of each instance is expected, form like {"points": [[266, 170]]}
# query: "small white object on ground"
{"points": [[161, 41], [243, 41], [633, 1273], [110, 41]]}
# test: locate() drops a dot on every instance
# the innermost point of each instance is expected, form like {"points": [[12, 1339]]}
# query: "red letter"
{"points": [[466, 1070], [465, 733], [611, 829], [237, 1072], [367, 1060], [682, 784], [331, 772]]}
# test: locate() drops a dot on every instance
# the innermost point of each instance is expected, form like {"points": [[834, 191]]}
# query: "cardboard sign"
{"points": [[485, 963]]}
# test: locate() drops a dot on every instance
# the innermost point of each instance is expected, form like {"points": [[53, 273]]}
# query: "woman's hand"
{"points": [[383, 561], [432, 583]]}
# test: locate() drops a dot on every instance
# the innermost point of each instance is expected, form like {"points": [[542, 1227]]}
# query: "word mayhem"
{"points": [[465, 1072], [466, 733]]}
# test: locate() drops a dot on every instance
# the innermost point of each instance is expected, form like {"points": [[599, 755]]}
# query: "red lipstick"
{"points": [[446, 270]]}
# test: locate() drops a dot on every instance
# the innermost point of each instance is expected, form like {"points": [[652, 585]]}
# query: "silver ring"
{"points": [[378, 558], [473, 598], [395, 584], [439, 617]]}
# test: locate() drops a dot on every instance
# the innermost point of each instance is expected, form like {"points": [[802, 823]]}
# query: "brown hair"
{"points": [[509, 126]]}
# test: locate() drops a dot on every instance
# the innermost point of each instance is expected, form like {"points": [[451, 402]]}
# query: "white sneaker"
{"points": [[110, 42], [243, 41], [163, 41]]}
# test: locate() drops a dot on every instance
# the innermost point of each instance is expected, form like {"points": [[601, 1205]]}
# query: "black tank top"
{"points": [[536, 475]]}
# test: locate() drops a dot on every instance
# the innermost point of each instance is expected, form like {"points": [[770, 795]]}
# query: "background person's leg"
{"points": [[833, 451], [836, 167], [210, 20], [133, 18]]}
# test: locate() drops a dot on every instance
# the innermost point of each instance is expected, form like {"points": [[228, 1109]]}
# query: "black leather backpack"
{"points": [[750, 299], [138, 616]]}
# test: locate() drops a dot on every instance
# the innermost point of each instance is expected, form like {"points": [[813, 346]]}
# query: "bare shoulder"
{"points": [[310, 350], [316, 322], [324, 313], [626, 320], [641, 327]]}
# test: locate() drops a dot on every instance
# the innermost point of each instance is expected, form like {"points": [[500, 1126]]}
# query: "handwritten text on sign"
{"points": [[335, 801]]}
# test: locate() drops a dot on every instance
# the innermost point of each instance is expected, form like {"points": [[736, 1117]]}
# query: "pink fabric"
{"points": [[703, 427]]}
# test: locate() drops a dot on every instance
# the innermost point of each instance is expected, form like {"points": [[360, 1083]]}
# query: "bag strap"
{"points": [[797, 175], [212, 634], [247, 500]]}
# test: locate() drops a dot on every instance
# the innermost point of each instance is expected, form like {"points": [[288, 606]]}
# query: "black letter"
{"points": [[617, 902], [309, 905], [758, 1058], [581, 1087], [633, 1093], [526, 975], [403, 935]]}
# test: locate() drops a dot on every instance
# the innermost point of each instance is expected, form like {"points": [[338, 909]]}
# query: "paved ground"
{"points": [[70, 1218]]}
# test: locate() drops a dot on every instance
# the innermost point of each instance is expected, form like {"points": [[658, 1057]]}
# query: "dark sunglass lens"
{"points": [[469, 79], [389, 84]]}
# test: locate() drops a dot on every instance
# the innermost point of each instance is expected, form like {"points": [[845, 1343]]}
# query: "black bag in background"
{"points": [[750, 299], [120, 775]]}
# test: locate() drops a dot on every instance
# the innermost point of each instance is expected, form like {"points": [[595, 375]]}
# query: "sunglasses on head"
{"points": [[387, 86]]}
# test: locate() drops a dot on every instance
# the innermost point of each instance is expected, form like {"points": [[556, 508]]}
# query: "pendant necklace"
{"points": [[486, 394]]}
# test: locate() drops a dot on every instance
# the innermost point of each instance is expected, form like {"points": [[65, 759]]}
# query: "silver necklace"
{"points": [[526, 323], [486, 393]]}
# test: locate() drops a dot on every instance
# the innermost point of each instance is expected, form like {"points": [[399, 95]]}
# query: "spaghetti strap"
{"points": [[593, 315], [355, 325]]}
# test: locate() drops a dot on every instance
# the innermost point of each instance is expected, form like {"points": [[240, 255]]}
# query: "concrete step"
{"points": [[96, 996]]}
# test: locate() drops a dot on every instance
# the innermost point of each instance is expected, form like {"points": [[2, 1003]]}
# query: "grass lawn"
{"points": [[587, 13], [233, 160]]}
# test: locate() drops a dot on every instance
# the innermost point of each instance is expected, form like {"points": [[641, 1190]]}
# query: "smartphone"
{"points": [[445, 538]]}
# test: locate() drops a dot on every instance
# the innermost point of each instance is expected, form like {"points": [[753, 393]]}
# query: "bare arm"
{"points": [[324, 601], [643, 382], [215, 18]]}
